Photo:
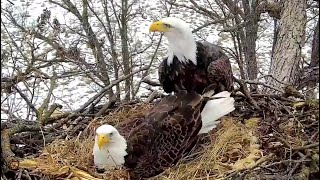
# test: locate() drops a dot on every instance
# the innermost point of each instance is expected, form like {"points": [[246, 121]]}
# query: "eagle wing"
{"points": [[218, 67], [164, 78], [212, 72], [160, 140]]}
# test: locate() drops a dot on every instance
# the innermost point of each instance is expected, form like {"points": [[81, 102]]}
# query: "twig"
{"points": [[263, 84], [208, 24], [152, 96], [70, 175], [107, 106], [303, 157], [271, 76], [53, 119], [44, 139], [20, 174], [27, 100], [113, 83], [85, 131], [278, 97], [315, 135], [44, 106], [310, 146], [285, 142], [283, 162], [27, 174], [150, 64], [78, 136], [151, 82], [63, 121], [48, 113], [246, 93], [10, 2]]}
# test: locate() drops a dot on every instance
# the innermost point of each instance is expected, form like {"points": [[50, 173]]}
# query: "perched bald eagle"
{"points": [[147, 146], [191, 65]]}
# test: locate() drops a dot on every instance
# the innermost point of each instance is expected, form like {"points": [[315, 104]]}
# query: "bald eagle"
{"points": [[191, 65], [147, 146]]}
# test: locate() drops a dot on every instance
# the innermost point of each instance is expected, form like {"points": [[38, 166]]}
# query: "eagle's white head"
{"points": [[109, 148], [181, 41]]}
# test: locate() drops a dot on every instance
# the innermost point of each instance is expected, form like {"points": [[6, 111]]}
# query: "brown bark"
{"points": [[290, 40], [270, 7], [239, 35], [125, 48], [114, 55], [251, 34], [238, 57], [310, 74], [315, 47], [96, 47], [247, 31], [275, 36], [9, 157]]}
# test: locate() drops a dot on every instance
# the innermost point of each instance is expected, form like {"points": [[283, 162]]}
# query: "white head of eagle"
{"points": [[109, 148], [181, 41]]}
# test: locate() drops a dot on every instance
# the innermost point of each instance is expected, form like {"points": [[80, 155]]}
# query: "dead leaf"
{"points": [[299, 104], [252, 122], [62, 171], [28, 164], [245, 163], [83, 175]]}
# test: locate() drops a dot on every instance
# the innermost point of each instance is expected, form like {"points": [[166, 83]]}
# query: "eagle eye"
{"points": [[167, 25], [111, 134]]}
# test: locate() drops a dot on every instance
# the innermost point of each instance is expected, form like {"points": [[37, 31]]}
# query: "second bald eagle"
{"points": [[191, 65]]}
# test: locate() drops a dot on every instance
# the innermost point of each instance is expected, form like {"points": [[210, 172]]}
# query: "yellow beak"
{"points": [[102, 140], [158, 26]]}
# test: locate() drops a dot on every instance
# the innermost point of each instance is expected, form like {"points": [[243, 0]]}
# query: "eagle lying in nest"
{"points": [[145, 147]]}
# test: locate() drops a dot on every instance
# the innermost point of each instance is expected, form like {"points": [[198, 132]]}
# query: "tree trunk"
{"points": [[248, 35], [251, 34], [290, 40], [111, 35], [116, 69], [310, 74], [125, 48], [315, 47], [238, 56], [95, 46]]}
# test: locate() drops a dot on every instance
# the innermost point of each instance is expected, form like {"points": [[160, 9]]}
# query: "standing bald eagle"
{"points": [[147, 146], [191, 65]]}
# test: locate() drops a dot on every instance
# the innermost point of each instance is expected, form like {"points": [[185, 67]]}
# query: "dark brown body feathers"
{"points": [[159, 140], [212, 72]]}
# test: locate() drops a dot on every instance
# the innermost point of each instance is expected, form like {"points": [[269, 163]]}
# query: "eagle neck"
{"points": [[118, 150], [183, 47]]}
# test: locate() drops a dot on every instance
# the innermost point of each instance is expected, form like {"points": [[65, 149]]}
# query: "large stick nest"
{"points": [[278, 141]]}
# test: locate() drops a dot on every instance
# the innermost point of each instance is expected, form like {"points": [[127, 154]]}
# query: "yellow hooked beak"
{"points": [[102, 140], [158, 26]]}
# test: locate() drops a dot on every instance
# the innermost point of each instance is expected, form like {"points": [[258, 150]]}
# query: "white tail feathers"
{"points": [[215, 109]]}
